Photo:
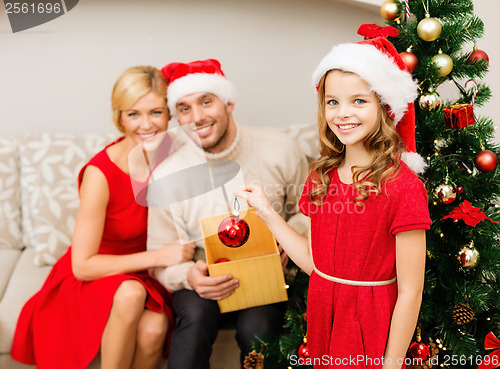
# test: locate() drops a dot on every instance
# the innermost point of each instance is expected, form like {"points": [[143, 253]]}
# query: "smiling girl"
{"points": [[368, 211]]}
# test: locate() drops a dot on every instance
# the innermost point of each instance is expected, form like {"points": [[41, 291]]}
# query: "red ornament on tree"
{"points": [[409, 59], [485, 161], [303, 351], [478, 55], [419, 350]]}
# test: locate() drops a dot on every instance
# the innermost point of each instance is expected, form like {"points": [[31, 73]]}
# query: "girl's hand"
{"points": [[283, 256], [176, 253], [255, 196]]}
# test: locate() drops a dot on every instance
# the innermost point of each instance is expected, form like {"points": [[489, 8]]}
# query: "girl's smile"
{"points": [[347, 128]]}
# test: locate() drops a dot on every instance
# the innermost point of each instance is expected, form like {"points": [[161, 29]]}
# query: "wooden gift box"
{"points": [[256, 264]]}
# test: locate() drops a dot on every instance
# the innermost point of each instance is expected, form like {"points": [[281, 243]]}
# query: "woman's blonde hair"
{"points": [[383, 143], [133, 84]]}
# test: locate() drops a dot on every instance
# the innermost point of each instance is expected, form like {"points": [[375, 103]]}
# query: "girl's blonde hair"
{"points": [[133, 84], [383, 143]]}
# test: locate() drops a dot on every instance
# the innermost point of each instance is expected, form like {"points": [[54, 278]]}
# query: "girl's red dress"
{"points": [[61, 326], [348, 326]]}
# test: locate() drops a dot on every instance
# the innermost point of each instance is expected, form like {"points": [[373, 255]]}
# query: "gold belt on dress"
{"points": [[345, 281], [350, 282]]}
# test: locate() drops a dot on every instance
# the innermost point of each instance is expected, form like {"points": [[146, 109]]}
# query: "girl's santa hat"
{"points": [[197, 76], [377, 62]]}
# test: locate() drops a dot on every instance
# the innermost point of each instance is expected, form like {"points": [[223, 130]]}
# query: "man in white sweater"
{"points": [[199, 93]]}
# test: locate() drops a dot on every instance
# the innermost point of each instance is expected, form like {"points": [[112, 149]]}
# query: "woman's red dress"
{"points": [[61, 326]]}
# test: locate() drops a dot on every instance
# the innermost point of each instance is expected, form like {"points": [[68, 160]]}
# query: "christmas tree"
{"points": [[460, 312]]}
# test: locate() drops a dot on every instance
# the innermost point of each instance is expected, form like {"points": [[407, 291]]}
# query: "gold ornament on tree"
{"points": [[446, 193], [430, 101], [428, 29], [443, 62], [254, 360], [468, 256], [389, 10]]}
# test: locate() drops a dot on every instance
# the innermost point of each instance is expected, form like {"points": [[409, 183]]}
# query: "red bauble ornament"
{"points": [[303, 351], [221, 260], [460, 190], [419, 350], [409, 59], [478, 55], [485, 161], [233, 231]]}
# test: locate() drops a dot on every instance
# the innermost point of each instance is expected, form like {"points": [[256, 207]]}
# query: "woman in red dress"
{"points": [[99, 295]]}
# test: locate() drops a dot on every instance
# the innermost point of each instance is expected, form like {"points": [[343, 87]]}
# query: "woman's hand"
{"points": [[255, 196], [176, 253]]}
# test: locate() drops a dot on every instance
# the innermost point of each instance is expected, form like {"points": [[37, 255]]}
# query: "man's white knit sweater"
{"points": [[270, 158]]}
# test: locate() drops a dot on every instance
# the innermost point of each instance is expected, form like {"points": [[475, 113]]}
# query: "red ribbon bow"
{"points": [[372, 30], [469, 214], [493, 359]]}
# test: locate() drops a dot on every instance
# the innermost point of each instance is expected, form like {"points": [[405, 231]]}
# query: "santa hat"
{"points": [[377, 62], [197, 76]]}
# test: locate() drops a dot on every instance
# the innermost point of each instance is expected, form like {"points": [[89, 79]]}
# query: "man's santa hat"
{"points": [[197, 76], [377, 61]]}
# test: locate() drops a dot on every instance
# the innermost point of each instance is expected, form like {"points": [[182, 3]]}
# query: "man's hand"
{"points": [[284, 257], [213, 288]]}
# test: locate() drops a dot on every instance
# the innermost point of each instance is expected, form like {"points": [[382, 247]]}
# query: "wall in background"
{"points": [[58, 77], [488, 11]]}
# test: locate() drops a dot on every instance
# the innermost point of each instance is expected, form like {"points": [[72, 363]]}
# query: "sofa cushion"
{"points": [[50, 164], [307, 137], [10, 203], [8, 260], [25, 280]]}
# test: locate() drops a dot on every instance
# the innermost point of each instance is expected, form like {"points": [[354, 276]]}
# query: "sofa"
{"points": [[38, 203]]}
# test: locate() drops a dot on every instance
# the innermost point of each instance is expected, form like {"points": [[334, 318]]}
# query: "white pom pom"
{"points": [[414, 161]]}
